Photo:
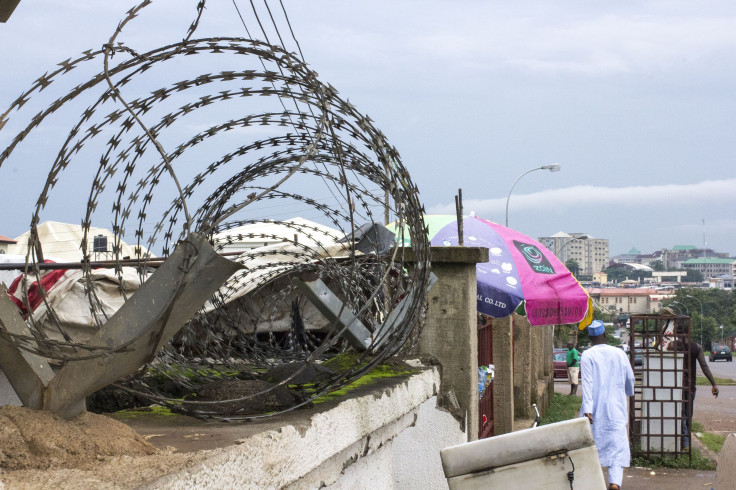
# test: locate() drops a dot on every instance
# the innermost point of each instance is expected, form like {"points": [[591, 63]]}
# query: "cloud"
{"points": [[589, 196], [540, 39]]}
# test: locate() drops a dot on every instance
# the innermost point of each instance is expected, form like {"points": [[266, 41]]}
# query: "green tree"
{"points": [[573, 266], [718, 307], [657, 265], [616, 274], [694, 276]]}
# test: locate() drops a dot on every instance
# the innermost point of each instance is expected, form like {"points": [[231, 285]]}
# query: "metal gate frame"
{"points": [[659, 361]]}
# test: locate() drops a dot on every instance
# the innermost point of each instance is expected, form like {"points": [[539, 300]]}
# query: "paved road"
{"points": [[717, 414], [721, 369]]}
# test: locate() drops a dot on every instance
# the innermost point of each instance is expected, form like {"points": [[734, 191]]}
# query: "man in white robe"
{"points": [[607, 380]]}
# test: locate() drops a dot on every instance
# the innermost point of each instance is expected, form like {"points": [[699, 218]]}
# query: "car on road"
{"points": [[720, 352], [560, 363]]}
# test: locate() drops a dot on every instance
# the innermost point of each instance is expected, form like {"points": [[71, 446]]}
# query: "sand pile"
{"points": [[36, 439]]}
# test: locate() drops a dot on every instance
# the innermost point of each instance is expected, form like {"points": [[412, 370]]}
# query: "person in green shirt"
{"points": [[573, 367]]}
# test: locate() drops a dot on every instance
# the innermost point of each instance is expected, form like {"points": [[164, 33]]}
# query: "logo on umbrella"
{"points": [[535, 258]]}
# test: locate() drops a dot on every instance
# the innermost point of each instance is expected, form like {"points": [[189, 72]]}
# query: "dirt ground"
{"points": [[41, 451], [35, 439]]}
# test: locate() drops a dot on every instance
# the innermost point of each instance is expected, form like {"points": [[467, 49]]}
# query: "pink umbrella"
{"points": [[520, 269]]}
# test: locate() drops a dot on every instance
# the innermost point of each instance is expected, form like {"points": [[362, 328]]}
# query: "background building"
{"points": [[628, 301], [675, 258], [590, 253], [4, 243], [711, 267]]}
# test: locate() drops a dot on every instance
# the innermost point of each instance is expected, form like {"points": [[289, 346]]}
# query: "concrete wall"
{"points": [[389, 439], [411, 460], [503, 382], [524, 374], [533, 372], [417, 463], [7, 393], [450, 332]]}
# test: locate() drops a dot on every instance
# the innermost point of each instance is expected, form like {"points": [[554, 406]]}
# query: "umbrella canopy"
{"points": [[519, 269]]}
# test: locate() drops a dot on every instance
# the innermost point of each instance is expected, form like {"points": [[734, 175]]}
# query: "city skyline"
{"points": [[634, 101]]}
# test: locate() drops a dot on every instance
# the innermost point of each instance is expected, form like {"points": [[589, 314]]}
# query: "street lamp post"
{"points": [[559, 252], [701, 317], [555, 167], [721, 334], [687, 312]]}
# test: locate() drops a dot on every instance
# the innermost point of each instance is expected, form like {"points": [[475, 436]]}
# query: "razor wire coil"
{"points": [[279, 135]]}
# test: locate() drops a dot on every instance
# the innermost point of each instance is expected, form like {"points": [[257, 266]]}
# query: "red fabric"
{"points": [[35, 295]]}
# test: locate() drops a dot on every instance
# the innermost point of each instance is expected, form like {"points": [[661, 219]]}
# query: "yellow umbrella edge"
{"points": [[588, 318]]}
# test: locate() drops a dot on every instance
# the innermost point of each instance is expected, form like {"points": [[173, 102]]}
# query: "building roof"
{"points": [[683, 247], [4, 239], [633, 266], [560, 234], [634, 251], [624, 292], [709, 260], [61, 242]]}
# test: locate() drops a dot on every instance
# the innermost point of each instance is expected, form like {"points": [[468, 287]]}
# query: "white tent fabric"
{"points": [[71, 304], [274, 263], [7, 277], [265, 233], [267, 263], [62, 242]]}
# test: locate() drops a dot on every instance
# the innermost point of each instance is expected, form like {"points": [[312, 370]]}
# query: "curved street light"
{"points": [[687, 311], [559, 252], [555, 167], [701, 316]]}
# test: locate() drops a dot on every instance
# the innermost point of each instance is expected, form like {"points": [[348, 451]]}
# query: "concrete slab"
{"points": [[7, 393]]}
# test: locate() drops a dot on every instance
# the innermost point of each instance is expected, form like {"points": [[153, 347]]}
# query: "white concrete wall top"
{"points": [[278, 458], [312, 450]]}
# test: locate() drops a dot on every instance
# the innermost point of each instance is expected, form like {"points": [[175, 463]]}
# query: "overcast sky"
{"points": [[635, 99]]}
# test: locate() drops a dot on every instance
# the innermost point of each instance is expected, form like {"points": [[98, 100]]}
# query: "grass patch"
{"points": [[699, 462], [563, 407], [381, 371], [714, 442], [153, 410], [345, 361], [701, 380], [192, 374]]}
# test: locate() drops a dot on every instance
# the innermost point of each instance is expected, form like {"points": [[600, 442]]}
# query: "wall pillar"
{"points": [[549, 343], [503, 381], [525, 375], [549, 373], [540, 347], [450, 333]]}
